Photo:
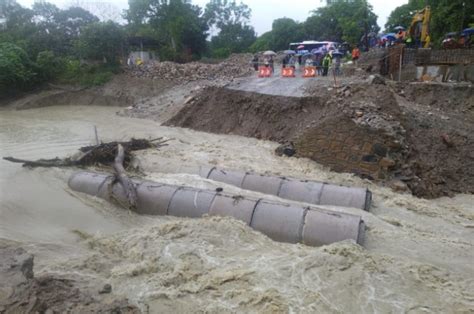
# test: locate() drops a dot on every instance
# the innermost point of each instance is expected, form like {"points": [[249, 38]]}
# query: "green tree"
{"points": [[177, 24], [450, 16], [233, 38], [19, 25], [16, 69], [284, 32], [342, 21], [49, 66], [264, 42], [401, 16], [101, 41], [219, 13], [230, 20]]}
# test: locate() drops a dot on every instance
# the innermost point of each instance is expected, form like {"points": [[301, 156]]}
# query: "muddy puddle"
{"points": [[417, 257]]}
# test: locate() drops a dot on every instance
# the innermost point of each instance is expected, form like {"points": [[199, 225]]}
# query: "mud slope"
{"points": [[374, 131], [121, 91], [275, 118]]}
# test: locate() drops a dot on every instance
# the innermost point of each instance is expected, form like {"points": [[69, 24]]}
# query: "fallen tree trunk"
{"points": [[56, 162], [121, 176], [103, 154]]}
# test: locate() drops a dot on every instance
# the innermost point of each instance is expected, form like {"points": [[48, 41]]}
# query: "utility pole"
{"points": [[463, 15], [366, 26]]}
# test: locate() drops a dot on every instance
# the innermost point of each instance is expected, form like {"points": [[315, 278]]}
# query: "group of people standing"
{"points": [[322, 62]]}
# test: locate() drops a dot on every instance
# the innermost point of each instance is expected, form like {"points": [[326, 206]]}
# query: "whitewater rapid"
{"points": [[417, 256]]}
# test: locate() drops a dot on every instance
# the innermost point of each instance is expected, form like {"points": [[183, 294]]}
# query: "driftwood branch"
{"points": [[103, 154], [124, 180], [97, 142], [45, 163]]}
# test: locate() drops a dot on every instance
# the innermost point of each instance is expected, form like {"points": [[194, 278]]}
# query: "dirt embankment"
{"points": [[376, 131], [276, 118], [152, 90], [122, 91]]}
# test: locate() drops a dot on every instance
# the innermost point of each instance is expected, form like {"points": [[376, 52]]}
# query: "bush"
{"points": [[16, 69], [49, 66], [87, 75], [221, 53]]}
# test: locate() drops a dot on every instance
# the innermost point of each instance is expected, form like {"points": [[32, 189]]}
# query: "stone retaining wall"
{"points": [[344, 146]]}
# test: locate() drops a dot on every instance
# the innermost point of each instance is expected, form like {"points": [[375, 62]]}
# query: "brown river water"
{"points": [[418, 256]]}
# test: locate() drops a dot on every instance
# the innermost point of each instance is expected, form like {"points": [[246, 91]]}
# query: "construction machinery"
{"points": [[420, 28]]}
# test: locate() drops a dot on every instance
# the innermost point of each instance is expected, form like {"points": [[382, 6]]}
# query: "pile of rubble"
{"points": [[236, 65]]}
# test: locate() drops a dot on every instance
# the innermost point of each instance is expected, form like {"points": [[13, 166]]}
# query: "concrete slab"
{"points": [[262, 184], [324, 227], [281, 222], [233, 206], [227, 176], [191, 203]]}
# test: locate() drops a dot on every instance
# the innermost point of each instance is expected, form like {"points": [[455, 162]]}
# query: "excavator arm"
{"points": [[420, 27]]}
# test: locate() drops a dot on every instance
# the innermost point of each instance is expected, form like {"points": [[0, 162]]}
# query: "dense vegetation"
{"points": [[45, 43], [341, 21]]}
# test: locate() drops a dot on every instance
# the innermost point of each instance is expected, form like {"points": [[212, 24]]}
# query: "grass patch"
{"points": [[87, 75]]}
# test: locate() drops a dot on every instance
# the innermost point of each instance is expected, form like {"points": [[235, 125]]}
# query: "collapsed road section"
{"points": [[377, 130], [280, 221]]}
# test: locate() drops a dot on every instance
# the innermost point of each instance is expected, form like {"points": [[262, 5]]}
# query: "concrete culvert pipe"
{"points": [[312, 192], [281, 222]]}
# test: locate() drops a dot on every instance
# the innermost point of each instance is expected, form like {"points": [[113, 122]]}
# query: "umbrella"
{"points": [[317, 51], [468, 31], [337, 53], [452, 34], [300, 47], [389, 36], [289, 52], [269, 53]]}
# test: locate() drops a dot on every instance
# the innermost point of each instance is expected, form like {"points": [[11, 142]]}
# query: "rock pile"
{"points": [[236, 65]]}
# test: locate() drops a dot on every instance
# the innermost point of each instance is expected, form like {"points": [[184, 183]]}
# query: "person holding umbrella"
{"points": [[286, 59], [337, 56], [401, 34], [300, 56], [318, 62], [268, 55]]}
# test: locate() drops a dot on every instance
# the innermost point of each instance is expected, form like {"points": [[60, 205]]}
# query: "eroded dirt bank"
{"points": [[416, 136], [23, 292]]}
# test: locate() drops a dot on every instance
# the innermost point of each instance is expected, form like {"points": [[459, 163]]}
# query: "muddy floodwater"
{"points": [[418, 256]]}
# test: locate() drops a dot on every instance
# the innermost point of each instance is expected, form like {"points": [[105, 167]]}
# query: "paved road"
{"points": [[280, 86]]}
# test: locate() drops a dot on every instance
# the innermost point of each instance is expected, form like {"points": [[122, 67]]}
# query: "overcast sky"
{"points": [[265, 11]]}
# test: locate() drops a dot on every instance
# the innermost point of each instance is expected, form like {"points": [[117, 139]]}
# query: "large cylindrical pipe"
{"points": [[312, 192], [281, 222]]}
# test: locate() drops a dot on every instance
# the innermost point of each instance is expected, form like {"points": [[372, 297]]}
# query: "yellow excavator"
{"points": [[420, 28]]}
